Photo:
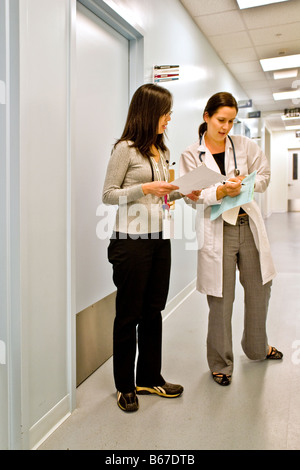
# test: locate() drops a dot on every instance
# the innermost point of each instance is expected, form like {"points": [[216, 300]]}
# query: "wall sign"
{"points": [[254, 114], [294, 112], [245, 104], [165, 73]]}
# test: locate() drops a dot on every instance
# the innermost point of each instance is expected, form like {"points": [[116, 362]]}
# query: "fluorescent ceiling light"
{"points": [[256, 3], [283, 62], [285, 74], [292, 128], [287, 95]]}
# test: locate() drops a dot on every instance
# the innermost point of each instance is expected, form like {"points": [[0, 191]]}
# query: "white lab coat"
{"points": [[210, 254]]}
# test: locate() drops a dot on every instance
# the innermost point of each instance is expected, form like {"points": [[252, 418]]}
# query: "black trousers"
{"points": [[141, 273]]}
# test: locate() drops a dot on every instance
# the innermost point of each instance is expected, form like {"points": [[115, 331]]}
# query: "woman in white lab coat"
{"points": [[236, 239]]}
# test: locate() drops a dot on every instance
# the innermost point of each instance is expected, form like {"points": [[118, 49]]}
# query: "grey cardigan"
{"points": [[127, 171]]}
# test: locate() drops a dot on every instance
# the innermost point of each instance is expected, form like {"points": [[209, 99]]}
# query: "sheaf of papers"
{"points": [[228, 203], [200, 178]]}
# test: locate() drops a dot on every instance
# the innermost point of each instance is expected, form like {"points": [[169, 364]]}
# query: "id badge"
{"points": [[168, 225]]}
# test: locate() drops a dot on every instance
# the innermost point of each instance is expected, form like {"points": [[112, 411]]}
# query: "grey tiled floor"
{"points": [[260, 409]]}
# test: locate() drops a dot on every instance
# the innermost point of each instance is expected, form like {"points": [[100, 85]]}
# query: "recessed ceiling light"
{"points": [[285, 74], [286, 95], [278, 63], [292, 128], [256, 3]]}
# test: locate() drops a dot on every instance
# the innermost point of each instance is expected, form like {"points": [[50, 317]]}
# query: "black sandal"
{"points": [[222, 379], [274, 354]]}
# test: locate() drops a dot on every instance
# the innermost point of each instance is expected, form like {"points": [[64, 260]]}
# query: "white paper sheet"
{"points": [[200, 178]]}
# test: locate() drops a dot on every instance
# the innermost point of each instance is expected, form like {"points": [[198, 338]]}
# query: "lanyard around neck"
{"points": [[157, 169], [159, 178]]}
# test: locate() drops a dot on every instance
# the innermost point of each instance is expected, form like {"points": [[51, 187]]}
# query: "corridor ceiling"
{"points": [[242, 37]]}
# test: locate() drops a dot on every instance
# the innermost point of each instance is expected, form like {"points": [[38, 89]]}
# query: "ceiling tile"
{"points": [[231, 56], [231, 40], [285, 84], [269, 107], [245, 67], [275, 34], [248, 77], [260, 94], [276, 105], [205, 7], [220, 23], [278, 14], [271, 50], [255, 85]]}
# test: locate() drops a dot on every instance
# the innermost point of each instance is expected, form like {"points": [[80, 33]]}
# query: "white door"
{"points": [[102, 76], [294, 180]]}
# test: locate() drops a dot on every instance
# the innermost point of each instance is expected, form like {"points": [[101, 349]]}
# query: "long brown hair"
{"points": [[215, 102], [148, 104]]}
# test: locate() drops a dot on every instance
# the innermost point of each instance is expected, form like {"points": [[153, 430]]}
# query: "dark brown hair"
{"points": [[219, 100], [148, 104]]}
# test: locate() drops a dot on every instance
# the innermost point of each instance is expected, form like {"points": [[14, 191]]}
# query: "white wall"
{"points": [[170, 36]]}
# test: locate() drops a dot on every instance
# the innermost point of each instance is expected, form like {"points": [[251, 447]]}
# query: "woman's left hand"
{"points": [[158, 188], [194, 195]]}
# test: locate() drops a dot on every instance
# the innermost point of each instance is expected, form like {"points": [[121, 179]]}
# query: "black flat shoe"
{"points": [[274, 354], [222, 379]]}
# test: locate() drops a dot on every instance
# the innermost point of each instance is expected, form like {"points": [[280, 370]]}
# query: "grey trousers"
{"points": [[239, 251]]}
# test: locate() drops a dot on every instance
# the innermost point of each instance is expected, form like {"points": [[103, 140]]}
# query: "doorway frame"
{"points": [[135, 39], [293, 205]]}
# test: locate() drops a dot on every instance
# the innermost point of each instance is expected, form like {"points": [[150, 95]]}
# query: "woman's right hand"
{"points": [[231, 188], [158, 188]]}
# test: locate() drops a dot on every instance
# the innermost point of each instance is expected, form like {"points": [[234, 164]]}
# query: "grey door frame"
{"points": [[134, 35]]}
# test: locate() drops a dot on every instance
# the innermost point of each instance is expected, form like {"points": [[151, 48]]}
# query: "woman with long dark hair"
{"points": [[239, 241], [137, 180]]}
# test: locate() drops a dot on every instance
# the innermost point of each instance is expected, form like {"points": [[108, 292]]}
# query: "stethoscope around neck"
{"points": [[236, 170]]}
